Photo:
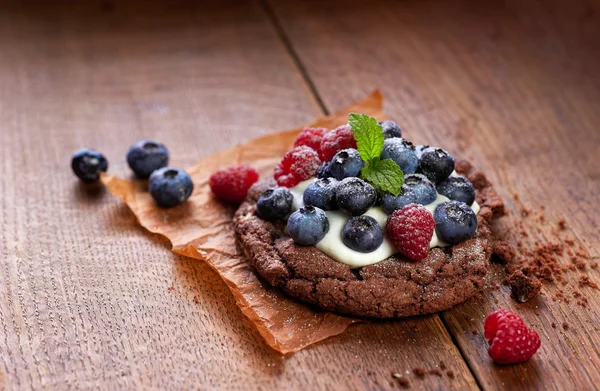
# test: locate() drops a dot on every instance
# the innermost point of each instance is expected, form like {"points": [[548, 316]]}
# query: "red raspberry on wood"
{"points": [[511, 341]]}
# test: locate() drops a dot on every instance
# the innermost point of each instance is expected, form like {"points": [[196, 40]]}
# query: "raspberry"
{"points": [[511, 341], [336, 140], [232, 184], [297, 165], [410, 230], [311, 137]]}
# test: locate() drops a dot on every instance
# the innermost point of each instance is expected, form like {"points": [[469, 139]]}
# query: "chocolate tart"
{"points": [[393, 288]]}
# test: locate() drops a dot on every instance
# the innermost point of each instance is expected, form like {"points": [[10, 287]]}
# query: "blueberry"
{"points": [[389, 202], [170, 186], [346, 163], [436, 164], [390, 129], [274, 204], [363, 234], [416, 190], [323, 171], [146, 156], [308, 225], [87, 165], [402, 152], [455, 221], [423, 189], [321, 193], [457, 188], [355, 196]]}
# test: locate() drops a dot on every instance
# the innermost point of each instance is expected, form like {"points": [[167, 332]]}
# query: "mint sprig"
{"points": [[384, 175], [368, 135]]}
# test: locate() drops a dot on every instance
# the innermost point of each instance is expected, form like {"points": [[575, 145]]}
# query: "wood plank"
{"points": [[512, 86], [87, 298]]}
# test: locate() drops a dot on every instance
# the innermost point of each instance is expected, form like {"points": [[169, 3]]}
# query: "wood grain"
{"points": [[512, 86], [87, 298]]}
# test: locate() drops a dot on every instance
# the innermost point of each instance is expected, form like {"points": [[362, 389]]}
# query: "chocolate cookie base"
{"points": [[393, 288]]}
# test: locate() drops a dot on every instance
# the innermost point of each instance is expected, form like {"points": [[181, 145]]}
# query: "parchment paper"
{"points": [[201, 228]]}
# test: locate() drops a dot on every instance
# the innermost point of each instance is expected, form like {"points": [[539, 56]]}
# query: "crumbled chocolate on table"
{"points": [[538, 261], [523, 288], [403, 380], [503, 252]]}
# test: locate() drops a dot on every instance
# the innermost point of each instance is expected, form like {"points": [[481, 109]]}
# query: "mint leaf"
{"points": [[384, 175], [368, 135]]}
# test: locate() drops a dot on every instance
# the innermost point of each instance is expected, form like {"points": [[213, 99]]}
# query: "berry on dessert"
{"points": [[390, 203], [323, 171], [346, 163], [416, 190], [422, 188], [308, 225], [274, 204], [511, 341], [355, 196], [170, 186], [231, 184], [311, 137], [336, 140], [410, 230], [455, 221], [390, 129], [321, 193], [436, 164], [402, 152], [362, 234], [297, 165], [145, 156], [87, 164], [457, 188]]}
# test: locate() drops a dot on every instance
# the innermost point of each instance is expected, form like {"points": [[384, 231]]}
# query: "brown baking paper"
{"points": [[202, 228]]}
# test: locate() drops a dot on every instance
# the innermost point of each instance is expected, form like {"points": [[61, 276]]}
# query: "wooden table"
{"points": [[89, 300]]}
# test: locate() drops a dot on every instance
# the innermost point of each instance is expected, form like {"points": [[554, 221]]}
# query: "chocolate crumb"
{"points": [[562, 224], [554, 325], [594, 265], [585, 281], [419, 372], [435, 371], [522, 287], [450, 373], [475, 332], [463, 166], [503, 253], [565, 326], [442, 365], [402, 380]]}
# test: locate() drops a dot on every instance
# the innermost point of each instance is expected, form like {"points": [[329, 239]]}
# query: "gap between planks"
{"points": [[289, 47]]}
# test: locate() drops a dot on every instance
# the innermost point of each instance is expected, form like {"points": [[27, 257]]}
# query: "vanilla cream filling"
{"points": [[333, 246]]}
